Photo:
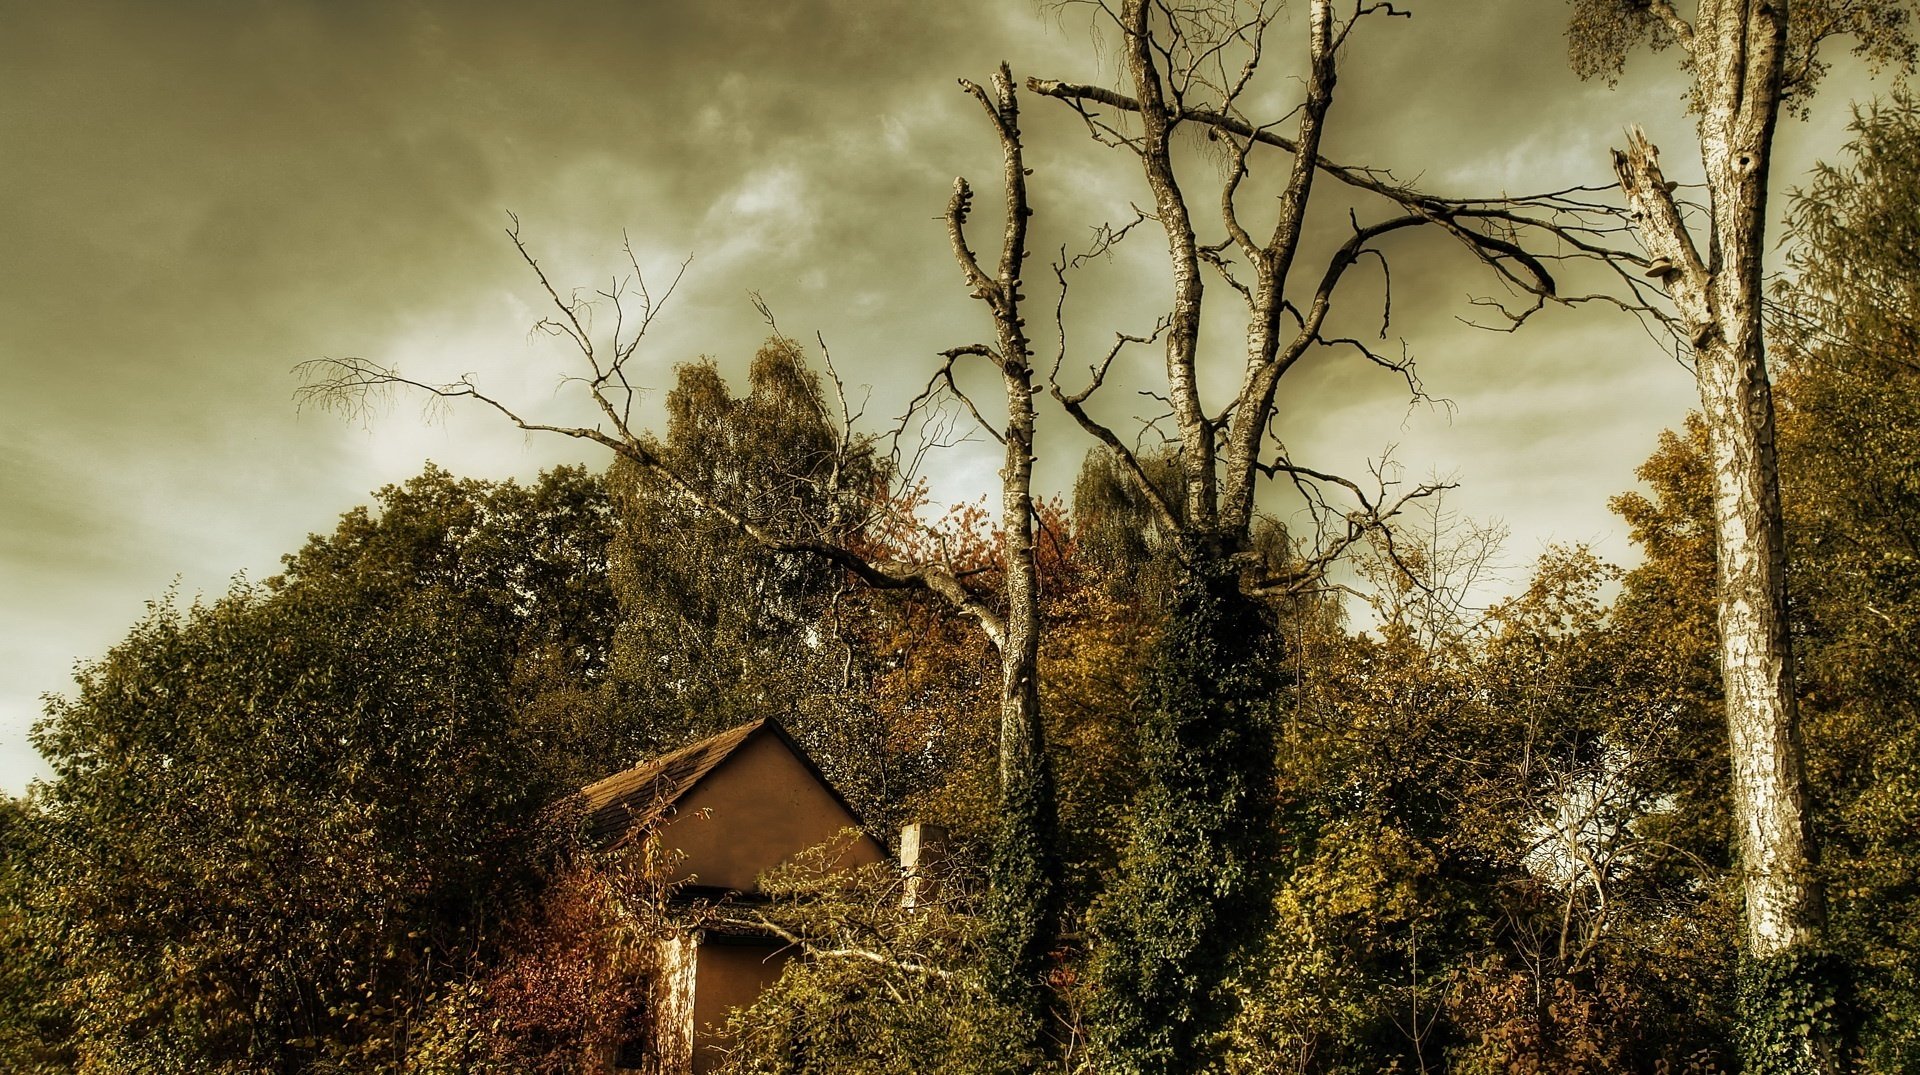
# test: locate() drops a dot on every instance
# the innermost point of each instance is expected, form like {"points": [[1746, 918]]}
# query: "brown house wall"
{"points": [[731, 975], [757, 810]]}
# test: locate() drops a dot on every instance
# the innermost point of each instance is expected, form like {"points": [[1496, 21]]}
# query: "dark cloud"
{"points": [[201, 193]]}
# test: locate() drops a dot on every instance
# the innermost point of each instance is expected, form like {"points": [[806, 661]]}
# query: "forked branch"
{"points": [[354, 385]]}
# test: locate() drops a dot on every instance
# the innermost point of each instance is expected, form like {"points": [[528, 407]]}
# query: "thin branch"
{"points": [[350, 385]]}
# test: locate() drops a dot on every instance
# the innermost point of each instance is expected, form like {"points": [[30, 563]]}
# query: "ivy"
{"points": [[1794, 1012], [1023, 898], [1193, 890]]}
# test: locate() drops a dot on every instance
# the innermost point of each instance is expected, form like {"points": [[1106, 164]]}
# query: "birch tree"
{"points": [[1750, 60]]}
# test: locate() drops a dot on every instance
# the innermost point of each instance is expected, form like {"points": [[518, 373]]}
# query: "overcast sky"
{"points": [[194, 196]]}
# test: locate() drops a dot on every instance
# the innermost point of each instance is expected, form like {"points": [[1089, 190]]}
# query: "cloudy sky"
{"points": [[195, 196]]}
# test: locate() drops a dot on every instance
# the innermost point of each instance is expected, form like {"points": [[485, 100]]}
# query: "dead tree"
{"points": [[1024, 872], [1191, 68], [1197, 864]]}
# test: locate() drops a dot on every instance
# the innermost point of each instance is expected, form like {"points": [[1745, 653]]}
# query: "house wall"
{"points": [[761, 807], [731, 975]]}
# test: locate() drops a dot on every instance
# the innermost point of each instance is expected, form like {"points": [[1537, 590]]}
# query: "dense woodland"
{"points": [[1225, 798]]}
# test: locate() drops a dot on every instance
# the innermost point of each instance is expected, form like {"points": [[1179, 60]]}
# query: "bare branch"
{"points": [[349, 385], [958, 206], [819, 951]]}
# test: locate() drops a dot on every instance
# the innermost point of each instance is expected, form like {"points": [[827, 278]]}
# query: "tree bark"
{"points": [[1738, 47], [1157, 125], [1023, 898], [1792, 1018]]}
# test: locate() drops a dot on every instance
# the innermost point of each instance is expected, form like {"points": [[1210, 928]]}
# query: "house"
{"points": [[725, 810]]}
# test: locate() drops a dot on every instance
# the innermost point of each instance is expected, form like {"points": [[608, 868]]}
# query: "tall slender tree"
{"points": [[1750, 59], [1025, 865]]}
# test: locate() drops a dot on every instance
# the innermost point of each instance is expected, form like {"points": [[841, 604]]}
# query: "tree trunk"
{"points": [[1738, 48], [1023, 897]]}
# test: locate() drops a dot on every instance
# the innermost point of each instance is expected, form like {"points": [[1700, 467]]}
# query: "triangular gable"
{"points": [[623, 804], [762, 806]]}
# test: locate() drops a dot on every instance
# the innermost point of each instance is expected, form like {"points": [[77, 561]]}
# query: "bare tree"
{"points": [[1192, 68], [1025, 865], [1198, 861], [1749, 60]]}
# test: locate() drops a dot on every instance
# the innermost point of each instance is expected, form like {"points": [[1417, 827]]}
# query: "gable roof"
{"points": [[620, 805]]}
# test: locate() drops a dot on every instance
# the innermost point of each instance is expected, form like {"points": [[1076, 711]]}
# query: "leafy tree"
{"points": [[1848, 327], [280, 819], [33, 1027], [714, 627], [1668, 601]]}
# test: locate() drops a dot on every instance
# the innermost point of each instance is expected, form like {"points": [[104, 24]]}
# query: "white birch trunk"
{"points": [[1738, 48]]}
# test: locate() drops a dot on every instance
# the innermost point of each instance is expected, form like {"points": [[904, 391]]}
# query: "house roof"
{"points": [[620, 805]]}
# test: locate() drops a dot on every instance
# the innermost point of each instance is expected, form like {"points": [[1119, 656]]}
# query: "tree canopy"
{"points": [[1212, 807]]}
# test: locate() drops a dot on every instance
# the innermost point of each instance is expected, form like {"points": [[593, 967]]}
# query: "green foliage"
{"points": [[876, 990], [1319, 993], [1665, 611], [713, 628], [1023, 895], [1115, 534], [1194, 884], [1793, 1008], [280, 820], [1092, 667], [1601, 34], [1848, 330], [33, 1027]]}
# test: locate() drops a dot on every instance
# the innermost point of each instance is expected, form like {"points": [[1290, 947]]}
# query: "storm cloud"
{"points": [[198, 195]]}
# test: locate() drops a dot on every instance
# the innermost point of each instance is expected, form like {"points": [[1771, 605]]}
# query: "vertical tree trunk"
{"points": [[1738, 48], [1783, 905], [1023, 897]]}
